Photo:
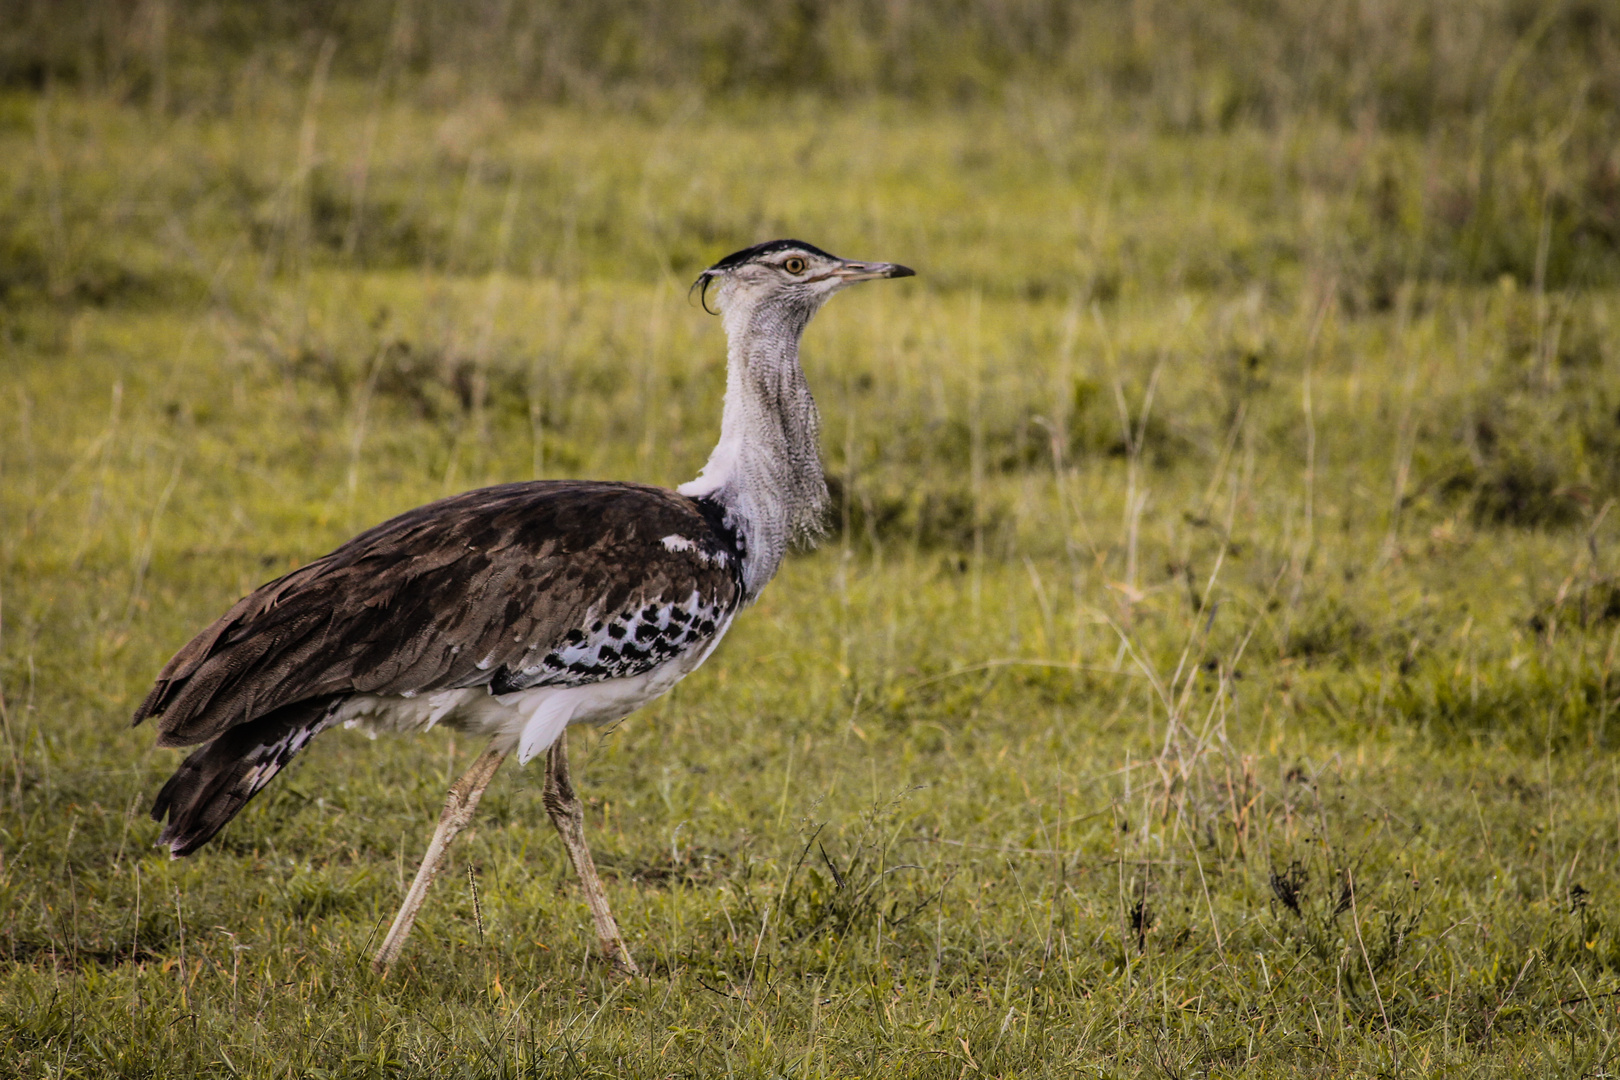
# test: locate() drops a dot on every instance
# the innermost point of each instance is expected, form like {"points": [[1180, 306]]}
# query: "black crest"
{"points": [[769, 247]]}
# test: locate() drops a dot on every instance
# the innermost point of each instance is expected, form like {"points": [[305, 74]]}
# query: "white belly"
{"points": [[528, 720]]}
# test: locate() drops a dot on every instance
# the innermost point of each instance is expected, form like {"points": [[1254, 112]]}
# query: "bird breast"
{"points": [[529, 720]]}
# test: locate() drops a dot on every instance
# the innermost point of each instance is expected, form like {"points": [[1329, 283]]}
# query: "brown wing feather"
{"points": [[445, 596]]}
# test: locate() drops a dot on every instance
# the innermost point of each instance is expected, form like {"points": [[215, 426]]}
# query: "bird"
{"points": [[514, 611]]}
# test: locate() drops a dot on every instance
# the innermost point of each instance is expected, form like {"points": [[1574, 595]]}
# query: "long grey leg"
{"points": [[459, 805], [569, 816]]}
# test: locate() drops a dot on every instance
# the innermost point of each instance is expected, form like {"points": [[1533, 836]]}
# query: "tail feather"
{"points": [[219, 778]]}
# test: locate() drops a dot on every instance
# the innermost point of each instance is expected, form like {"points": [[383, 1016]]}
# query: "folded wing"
{"points": [[542, 583]]}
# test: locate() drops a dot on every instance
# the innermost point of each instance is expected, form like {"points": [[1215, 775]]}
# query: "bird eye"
{"points": [[794, 265]]}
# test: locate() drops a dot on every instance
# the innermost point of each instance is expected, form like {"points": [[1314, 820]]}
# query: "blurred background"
{"points": [[1470, 128]]}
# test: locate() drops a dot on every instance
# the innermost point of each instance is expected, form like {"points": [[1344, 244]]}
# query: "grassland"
{"points": [[1211, 668]]}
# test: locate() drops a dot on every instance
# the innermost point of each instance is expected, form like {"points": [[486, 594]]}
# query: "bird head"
{"points": [[785, 274]]}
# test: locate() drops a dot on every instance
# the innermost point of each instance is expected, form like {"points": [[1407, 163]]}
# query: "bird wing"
{"points": [[509, 587]]}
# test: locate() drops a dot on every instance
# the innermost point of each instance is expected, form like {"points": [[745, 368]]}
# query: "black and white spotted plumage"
{"points": [[505, 589], [618, 646]]}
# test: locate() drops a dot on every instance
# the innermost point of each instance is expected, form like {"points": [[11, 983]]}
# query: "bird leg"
{"points": [[459, 805], [569, 816]]}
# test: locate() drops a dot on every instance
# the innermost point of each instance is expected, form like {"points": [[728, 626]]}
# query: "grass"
{"points": [[1211, 671]]}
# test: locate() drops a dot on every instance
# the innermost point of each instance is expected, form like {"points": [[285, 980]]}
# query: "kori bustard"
{"points": [[514, 611]]}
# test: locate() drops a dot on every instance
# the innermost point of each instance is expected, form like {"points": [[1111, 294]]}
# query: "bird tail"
{"points": [[220, 777]]}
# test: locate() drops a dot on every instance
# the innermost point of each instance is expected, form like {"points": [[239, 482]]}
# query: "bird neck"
{"points": [[765, 472]]}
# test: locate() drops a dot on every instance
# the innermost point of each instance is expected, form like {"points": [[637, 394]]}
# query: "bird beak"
{"points": [[850, 271]]}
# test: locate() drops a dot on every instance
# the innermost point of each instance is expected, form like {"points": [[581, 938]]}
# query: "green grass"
{"points": [[1212, 669]]}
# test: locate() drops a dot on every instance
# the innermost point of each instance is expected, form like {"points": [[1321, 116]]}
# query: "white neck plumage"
{"points": [[766, 469]]}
